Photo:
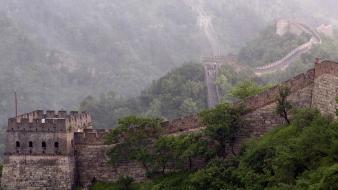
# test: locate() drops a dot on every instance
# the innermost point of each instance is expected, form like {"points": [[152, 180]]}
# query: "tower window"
{"points": [[56, 144], [17, 144], [30, 144], [44, 144]]}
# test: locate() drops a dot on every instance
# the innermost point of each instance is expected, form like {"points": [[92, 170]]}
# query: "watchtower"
{"points": [[40, 145]]}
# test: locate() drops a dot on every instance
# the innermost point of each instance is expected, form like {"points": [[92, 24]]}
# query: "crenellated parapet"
{"points": [[91, 137], [50, 121], [37, 125]]}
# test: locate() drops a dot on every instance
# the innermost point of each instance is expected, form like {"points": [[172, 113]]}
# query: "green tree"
{"points": [[193, 146], [189, 106], [218, 174], [245, 89], [165, 152], [223, 124], [133, 138]]}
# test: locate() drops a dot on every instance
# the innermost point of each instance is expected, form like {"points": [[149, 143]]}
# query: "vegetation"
{"points": [[300, 155], [139, 139], [134, 135], [245, 89], [181, 92], [223, 123]]}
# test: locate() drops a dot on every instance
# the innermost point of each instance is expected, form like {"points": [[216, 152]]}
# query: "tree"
{"points": [[193, 146], [165, 152], [283, 105], [223, 123], [245, 89], [133, 138]]}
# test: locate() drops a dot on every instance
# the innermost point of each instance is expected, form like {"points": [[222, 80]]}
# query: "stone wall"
{"points": [[264, 119], [92, 162], [261, 118], [325, 91], [38, 172], [31, 143]]}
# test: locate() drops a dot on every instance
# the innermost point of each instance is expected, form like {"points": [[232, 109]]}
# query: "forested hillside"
{"points": [[181, 92], [55, 53]]}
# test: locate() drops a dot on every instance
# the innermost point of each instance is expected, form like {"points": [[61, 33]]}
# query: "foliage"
{"points": [[218, 174], [245, 89], [125, 183], [223, 123], [193, 146], [165, 152], [300, 156], [228, 77], [132, 137], [180, 92], [283, 105]]}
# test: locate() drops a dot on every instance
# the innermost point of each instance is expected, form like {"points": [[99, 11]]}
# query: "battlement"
{"points": [[41, 114], [91, 137], [38, 125], [40, 121]]}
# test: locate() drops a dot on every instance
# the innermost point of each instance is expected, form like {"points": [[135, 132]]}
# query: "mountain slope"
{"points": [[54, 53]]}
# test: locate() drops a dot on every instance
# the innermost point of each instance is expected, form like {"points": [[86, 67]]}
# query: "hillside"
{"points": [[179, 93], [182, 91], [56, 53]]}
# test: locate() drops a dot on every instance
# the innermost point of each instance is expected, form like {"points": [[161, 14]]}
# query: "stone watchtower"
{"points": [[39, 150]]}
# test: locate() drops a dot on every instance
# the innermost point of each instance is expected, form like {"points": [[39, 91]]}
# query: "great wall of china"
{"points": [[59, 151], [293, 54], [213, 64], [56, 150]]}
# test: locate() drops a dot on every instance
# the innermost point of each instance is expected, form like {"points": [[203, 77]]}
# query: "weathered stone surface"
{"points": [[93, 164], [38, 172]]}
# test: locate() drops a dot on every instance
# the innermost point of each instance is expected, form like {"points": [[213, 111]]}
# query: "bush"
{"points": [[125, 183]]}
